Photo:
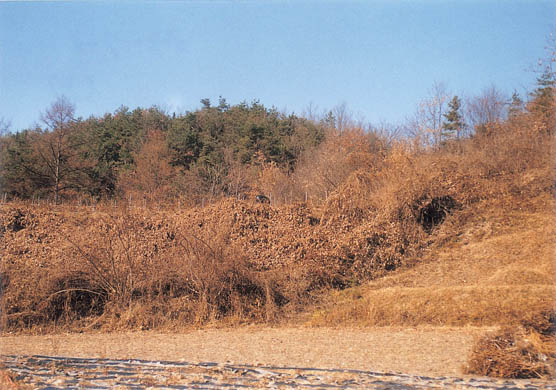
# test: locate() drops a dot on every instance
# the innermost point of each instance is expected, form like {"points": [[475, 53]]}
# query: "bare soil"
{"points": [[438, 351]]}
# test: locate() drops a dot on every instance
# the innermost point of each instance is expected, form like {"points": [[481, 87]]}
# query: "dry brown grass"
{"points": [[453, 306]]}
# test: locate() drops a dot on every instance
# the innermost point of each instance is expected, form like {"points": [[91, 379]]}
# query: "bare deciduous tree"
{"points": [[153, 175], [343, 116], [4, 126], [311, 112], [486, 109], [324, 169], [426, 124], [54, 145]]}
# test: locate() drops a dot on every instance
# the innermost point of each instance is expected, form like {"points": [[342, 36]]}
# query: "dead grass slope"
{"points": [[138, 268], [498, 269]]}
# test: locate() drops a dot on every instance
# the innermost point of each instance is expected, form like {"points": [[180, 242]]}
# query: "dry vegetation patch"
{"points": [[9, 382], [518, 352], [454, 306]]}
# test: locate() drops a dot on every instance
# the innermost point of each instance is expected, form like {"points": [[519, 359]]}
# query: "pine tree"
{"points": [[453, 126], [543, 96], [516, 105], [543, 101]]}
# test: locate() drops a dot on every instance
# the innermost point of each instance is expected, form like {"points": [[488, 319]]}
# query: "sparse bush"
{"points": [[324, 169], [219, 280]]}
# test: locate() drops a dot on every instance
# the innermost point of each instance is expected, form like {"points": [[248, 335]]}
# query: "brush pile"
{"points": [[528, 351]]}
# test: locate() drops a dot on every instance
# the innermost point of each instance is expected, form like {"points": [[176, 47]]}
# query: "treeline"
{"points": [[210, 152], [237, 150]]}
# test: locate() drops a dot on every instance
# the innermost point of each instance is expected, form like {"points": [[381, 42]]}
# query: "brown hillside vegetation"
{"points": [[500, 265], [461, 234]]}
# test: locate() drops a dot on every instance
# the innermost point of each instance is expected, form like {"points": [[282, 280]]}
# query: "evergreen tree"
{"points": [[453, 126], [543, 97], [23, 174], [98, 156], [184, 141], [329, 120], [516, 105]]}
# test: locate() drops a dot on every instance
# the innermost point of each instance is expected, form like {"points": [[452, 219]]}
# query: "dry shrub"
{"points": [[273, 182], [377, 209], [522, 352], [388, 215], [391, 213], [320, 172], [64, 286], [218, 278], [515, 159], [240, 178], [287, 242]]}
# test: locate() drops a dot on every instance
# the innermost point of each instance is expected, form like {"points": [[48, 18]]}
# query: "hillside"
{"points": [[452, 236], [498, 269]]}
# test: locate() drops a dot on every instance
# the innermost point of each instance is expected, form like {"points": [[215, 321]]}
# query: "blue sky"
{"points": [[378, 57]]}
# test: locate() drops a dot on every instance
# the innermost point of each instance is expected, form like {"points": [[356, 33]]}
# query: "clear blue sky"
{"points": [[378, 57]]}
